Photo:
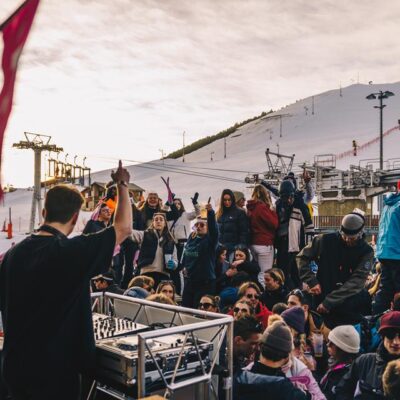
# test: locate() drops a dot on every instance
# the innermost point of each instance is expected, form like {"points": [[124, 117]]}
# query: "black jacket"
{"points": [[233, 227], [199, 253], [250, 267], [149, 246], [342, 270], [270, 298], [250, 386], [365, 375], [331, 379]]}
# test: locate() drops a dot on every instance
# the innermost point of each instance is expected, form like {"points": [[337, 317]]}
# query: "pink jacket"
{"points": [[302, 377]]}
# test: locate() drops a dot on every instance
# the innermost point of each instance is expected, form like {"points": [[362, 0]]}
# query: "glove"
{"points": [[195, 198], [171, 264]]}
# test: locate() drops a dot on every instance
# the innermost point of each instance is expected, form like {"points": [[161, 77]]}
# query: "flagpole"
{"points": [[13, 15]]}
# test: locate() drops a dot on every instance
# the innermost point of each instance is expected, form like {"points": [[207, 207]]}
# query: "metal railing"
{"points": [[105, 302]]}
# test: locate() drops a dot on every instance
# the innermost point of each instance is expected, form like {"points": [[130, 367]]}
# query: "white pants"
{"points": [[264, 255]]}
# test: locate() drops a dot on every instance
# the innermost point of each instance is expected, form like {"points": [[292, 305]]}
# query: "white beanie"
{"points": [[346, 338]]}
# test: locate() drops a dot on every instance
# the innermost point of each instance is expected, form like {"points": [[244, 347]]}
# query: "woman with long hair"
{"points": [[263, 225], [167, 288], [275, 290], [158, 254], [232, 223], [242, 262]]}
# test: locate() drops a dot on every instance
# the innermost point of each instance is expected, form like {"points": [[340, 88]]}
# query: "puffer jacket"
{"points": [[233, 227], [364, 380], [388, 245], [250, 386]]}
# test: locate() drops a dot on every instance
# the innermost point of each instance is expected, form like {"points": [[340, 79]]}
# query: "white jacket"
{"points": [[181, 228]]}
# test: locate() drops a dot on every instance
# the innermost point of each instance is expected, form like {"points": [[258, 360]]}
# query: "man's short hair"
{"points": [[61, 203], [245, 327], [391, 380]]}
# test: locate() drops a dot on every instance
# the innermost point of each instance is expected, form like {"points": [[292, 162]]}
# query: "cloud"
{"points": [[167, 66]]}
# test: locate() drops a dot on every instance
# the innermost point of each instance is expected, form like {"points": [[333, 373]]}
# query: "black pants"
{"points": [[129, 250], [194, 291], [287, 263], [390, 284], [63, 386]]}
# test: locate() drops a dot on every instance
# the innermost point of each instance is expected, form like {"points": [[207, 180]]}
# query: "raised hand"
{"points": [[195, 198], [121, 174]]}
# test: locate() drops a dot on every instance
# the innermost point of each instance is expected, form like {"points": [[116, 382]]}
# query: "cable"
{"points": [[178, 170]]}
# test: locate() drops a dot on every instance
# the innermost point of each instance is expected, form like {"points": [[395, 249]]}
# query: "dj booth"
{"points": [[145, 348]]}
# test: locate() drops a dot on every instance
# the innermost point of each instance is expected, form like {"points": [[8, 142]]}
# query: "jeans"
{"points": [[390, 284], [264, 256], [287, 263]]}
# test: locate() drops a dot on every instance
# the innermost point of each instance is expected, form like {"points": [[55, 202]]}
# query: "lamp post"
{"points": [[380, 96]]}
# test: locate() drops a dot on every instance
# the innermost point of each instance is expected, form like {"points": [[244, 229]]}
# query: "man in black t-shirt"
{"points": [[45, 299]]}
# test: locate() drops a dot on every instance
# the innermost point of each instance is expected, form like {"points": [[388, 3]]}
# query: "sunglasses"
{"points": [[391, 333], [243, 310], [205, 306], [252, 296], [200, 225]]}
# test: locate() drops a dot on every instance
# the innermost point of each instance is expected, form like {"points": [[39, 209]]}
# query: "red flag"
{"points": [[15, 31]]}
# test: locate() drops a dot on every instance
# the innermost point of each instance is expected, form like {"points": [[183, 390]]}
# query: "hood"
{"points": [[392, 198]]}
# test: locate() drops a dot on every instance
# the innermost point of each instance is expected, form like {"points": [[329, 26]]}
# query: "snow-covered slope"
{"points": [[336, 122]]}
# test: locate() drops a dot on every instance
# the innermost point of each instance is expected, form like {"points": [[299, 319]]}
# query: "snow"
{"points": [[337, 121]]}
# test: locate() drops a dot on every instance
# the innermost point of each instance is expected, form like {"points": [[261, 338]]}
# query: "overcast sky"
{"points": [[125, 78]]}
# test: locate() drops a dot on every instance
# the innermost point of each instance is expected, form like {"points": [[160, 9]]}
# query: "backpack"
{"points": [[368, 328]]}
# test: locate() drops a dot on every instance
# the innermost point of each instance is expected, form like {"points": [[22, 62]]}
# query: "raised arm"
{"points": [[123, 213], [212, 225]]}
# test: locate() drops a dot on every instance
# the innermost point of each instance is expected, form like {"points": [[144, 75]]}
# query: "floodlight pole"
{"points": [[37, 143]]}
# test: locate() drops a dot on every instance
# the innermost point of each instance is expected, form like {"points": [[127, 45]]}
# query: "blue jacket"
{"points": [[388, 246]]}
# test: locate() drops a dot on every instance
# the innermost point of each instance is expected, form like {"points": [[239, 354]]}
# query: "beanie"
{"points": [[286, 188], [346, 338], [228, 297], [352, 224], [278, 337], [238, 195], [295, 318]]}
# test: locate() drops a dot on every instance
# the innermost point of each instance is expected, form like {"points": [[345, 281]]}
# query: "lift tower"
{"points": [[37, 143]]}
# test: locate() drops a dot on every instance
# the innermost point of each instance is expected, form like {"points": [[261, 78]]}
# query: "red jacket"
{"points": [[262, 315], [263, 223]]}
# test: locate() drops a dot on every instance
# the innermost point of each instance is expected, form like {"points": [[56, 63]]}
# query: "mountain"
{"points": [[340, 116]]}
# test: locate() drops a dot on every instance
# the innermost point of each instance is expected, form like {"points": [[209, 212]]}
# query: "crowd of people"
{"points": [[315, 316]]}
